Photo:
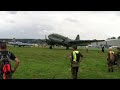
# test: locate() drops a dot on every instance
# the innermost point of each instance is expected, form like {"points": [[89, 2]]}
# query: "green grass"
{"points": [[43, 63]]}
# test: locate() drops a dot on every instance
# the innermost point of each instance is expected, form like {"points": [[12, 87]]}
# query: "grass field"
{"points": [[43, 63]]}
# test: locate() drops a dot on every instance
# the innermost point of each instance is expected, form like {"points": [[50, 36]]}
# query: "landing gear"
{"points": [[67, 48], [50, 47]]}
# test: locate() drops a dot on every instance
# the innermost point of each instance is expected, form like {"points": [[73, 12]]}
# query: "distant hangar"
{"points": [[107, 43]]}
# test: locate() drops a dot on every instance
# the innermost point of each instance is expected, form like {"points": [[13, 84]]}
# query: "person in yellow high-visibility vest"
{"points": [[75, 60], [110, 59]]}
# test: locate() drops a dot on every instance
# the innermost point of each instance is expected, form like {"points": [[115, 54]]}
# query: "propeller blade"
{"points": [[45, 38]]}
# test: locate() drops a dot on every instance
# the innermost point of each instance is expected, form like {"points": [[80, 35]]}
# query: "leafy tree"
{"points": [[113, 37], [119, 37]]}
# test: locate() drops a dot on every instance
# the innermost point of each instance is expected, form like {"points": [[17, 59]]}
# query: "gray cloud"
{"points": [[117, 13], [11, 21], [34, 31], [37, 24], [71, 20], [12, 12]]}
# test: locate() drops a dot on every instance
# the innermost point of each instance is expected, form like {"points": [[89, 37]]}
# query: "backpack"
{"points": [[5, 64]]}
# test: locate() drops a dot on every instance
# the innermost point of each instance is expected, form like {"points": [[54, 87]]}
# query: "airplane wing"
{"points": [[84, 42]]}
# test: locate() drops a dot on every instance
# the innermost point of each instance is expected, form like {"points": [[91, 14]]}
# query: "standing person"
{"points": [[103, 49], [117, 58], [87, 49], [75, 60], [110, 59], [6, 57]]}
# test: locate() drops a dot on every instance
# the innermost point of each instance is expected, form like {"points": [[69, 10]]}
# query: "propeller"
{"points": [[45, 37], [47, 40]]}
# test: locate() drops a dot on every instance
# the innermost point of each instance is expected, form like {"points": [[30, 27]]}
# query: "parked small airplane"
{"points": [[19, 43], [56, 39]]}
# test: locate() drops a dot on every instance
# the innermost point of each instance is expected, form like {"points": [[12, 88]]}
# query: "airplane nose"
{"points": [[49, 36]]}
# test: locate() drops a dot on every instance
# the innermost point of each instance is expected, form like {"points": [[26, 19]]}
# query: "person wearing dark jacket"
{"points": [[12, 57]]}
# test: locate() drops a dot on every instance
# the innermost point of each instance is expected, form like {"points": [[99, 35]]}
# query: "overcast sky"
{"points": [[37, 24]]}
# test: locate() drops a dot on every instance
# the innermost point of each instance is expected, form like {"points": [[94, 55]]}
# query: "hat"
{"points": [[110, 48]]}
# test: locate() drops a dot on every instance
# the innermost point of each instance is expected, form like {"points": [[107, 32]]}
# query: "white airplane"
{"points": [[20, 44]]}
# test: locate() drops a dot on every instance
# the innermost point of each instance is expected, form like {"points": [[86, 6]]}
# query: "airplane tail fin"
{"points": [[13, 40], [78, 37]]}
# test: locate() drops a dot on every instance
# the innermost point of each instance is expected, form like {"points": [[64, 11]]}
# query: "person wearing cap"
{"points": [[75, 60], [110, 59]]}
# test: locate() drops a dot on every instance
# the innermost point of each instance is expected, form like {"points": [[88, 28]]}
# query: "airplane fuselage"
{"points": [[56, 39], [59, 39]]}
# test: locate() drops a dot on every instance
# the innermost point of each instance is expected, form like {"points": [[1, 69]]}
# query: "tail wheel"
{"points": [[50, 47]]}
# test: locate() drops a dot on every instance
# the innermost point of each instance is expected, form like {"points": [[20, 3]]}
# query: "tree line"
{"points": [[114, 38]]}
